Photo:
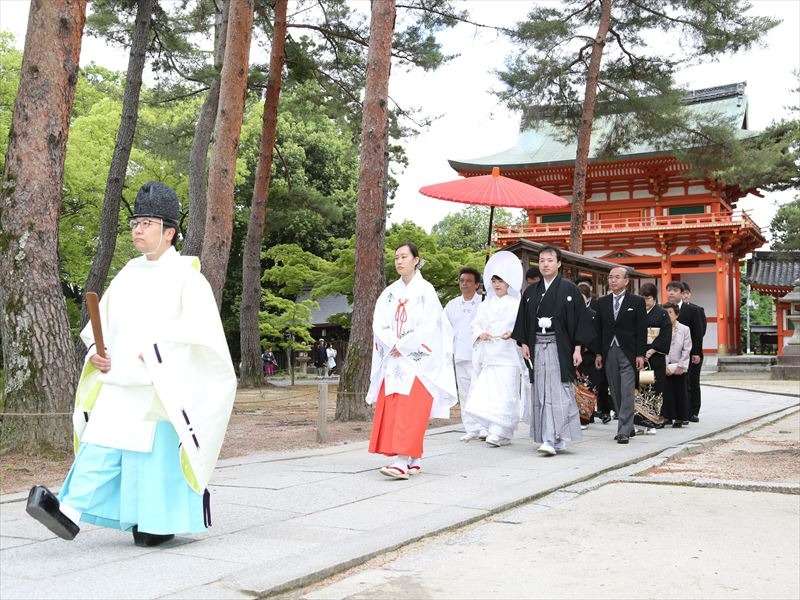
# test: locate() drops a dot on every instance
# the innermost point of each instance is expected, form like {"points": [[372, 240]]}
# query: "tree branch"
{"points": [[631, 57], [423, 8], [179, 96]]}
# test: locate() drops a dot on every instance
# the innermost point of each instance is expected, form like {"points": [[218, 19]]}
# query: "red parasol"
{"points": [[494, 190]]}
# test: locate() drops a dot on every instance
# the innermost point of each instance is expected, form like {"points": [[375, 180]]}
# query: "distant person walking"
{"points": [[268, 362], [330, 359]]}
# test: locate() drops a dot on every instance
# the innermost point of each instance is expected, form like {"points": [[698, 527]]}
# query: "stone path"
{"points": [[283, 520]]}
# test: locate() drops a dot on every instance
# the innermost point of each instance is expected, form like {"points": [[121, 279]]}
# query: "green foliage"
{"points": [[441, 263], [636, 91], [785, 227], [762, 309], [469, 228], [285, 323], [293, 269], [10, 65]]}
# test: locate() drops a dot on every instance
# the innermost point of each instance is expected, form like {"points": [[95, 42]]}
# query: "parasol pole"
{"points": [[489, 239], [495, 175]]}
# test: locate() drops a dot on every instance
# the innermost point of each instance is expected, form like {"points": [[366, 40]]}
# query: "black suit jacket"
{"points": [[630, 326], [693, 317]]}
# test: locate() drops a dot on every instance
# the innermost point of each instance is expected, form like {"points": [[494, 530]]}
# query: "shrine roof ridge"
{"points": [[543, 146], [774, 268]]}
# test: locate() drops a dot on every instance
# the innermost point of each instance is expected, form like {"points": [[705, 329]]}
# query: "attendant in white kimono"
{"points": [[151, 415], [460, 313], [495, 403], [412, 377]]}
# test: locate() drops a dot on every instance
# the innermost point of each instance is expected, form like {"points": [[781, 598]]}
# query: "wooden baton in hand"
{"points": [[93, 307]]}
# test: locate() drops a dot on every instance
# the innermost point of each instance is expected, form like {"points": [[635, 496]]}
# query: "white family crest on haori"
{"points": [[410, 318], [164, 311]]}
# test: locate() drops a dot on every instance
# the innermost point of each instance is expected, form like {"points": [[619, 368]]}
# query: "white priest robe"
{"points": [[164, 311]]}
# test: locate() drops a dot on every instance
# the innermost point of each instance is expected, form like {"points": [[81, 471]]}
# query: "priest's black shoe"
{"points": [[43, 505], [694, 419], [623, 439], [606, 419], [677, 424], [148, 540], [633, 433]]}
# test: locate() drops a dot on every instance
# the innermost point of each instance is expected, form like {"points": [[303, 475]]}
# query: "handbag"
{"points": [[586, 400], [647, 376]]}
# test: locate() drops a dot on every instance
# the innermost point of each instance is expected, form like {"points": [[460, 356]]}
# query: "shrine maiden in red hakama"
{"points": [[412, 377]]}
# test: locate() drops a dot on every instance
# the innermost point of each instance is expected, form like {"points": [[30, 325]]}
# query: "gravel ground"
{"points": [[770, 453]]}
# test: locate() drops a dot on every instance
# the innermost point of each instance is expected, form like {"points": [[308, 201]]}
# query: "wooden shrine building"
{"points": [[643, 211], [775, 274]]}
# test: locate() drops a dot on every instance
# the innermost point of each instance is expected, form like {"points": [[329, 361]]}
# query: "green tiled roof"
{"points": [[542, 147]]}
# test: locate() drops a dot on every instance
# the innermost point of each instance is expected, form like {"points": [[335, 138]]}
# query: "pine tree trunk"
{"points": [[250, 333], [38, 353], [198, 156], [585, 131], [222, 170], [109, 217], [370, 216]]}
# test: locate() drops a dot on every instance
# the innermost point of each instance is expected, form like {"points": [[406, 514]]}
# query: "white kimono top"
{"points": [[163, 310], [410, 318], [496, 316], [460, 313]]}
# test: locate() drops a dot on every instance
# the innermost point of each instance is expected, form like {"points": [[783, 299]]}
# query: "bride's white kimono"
{"points": [[496, 399], [419, 383]]}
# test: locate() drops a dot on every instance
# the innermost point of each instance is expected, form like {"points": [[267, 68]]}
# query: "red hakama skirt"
{"points": [[400, 421]]}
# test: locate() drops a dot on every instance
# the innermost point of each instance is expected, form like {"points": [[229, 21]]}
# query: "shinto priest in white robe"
{"points": [[496, 400], [166, 412], [419, 384]]}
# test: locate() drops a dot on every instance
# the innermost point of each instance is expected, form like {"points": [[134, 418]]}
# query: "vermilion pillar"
{"points": [[722, 317]]}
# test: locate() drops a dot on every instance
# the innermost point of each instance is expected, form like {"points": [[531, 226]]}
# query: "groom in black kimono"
{"points": [[547, 330]]}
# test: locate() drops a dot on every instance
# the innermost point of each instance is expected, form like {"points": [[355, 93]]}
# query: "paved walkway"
{"points": [[293, 518]]}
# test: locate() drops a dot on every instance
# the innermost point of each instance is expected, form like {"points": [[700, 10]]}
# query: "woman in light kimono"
{"points": [[412, 377], [495, 402]]}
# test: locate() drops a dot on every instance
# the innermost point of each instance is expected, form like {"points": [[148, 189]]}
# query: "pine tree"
{"points": [[39, 358]]}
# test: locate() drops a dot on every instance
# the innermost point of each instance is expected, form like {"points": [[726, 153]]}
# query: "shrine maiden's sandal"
{"points": [[394, 472], [414, 469]]}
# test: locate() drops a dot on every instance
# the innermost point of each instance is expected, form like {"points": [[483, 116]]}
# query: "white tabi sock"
{"points": [[69, 512], [401, 462]]}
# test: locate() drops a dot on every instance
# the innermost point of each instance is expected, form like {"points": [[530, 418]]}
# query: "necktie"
{"points": [[617, 302]]}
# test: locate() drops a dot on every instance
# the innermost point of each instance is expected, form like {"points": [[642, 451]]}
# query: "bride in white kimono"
{"points": [[412, 377], [495, 404]]}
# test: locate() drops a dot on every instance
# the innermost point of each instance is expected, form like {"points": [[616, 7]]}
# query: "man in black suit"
{"points": [[622, 333], [694, 318]]}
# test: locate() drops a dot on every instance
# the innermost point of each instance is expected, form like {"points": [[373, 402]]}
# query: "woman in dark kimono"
{"points": [[659, 333]]}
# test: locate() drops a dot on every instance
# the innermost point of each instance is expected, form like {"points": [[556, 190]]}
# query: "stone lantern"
{"points": [[788, 366]]}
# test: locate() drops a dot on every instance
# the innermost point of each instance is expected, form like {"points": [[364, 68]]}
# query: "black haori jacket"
{"points": [[564, 304]]}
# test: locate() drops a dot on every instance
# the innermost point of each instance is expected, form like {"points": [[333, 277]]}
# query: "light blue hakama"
{"points": [[121, 488]]}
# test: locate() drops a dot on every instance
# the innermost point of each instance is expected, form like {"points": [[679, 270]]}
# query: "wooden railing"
{"points": [[654, 223]]}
